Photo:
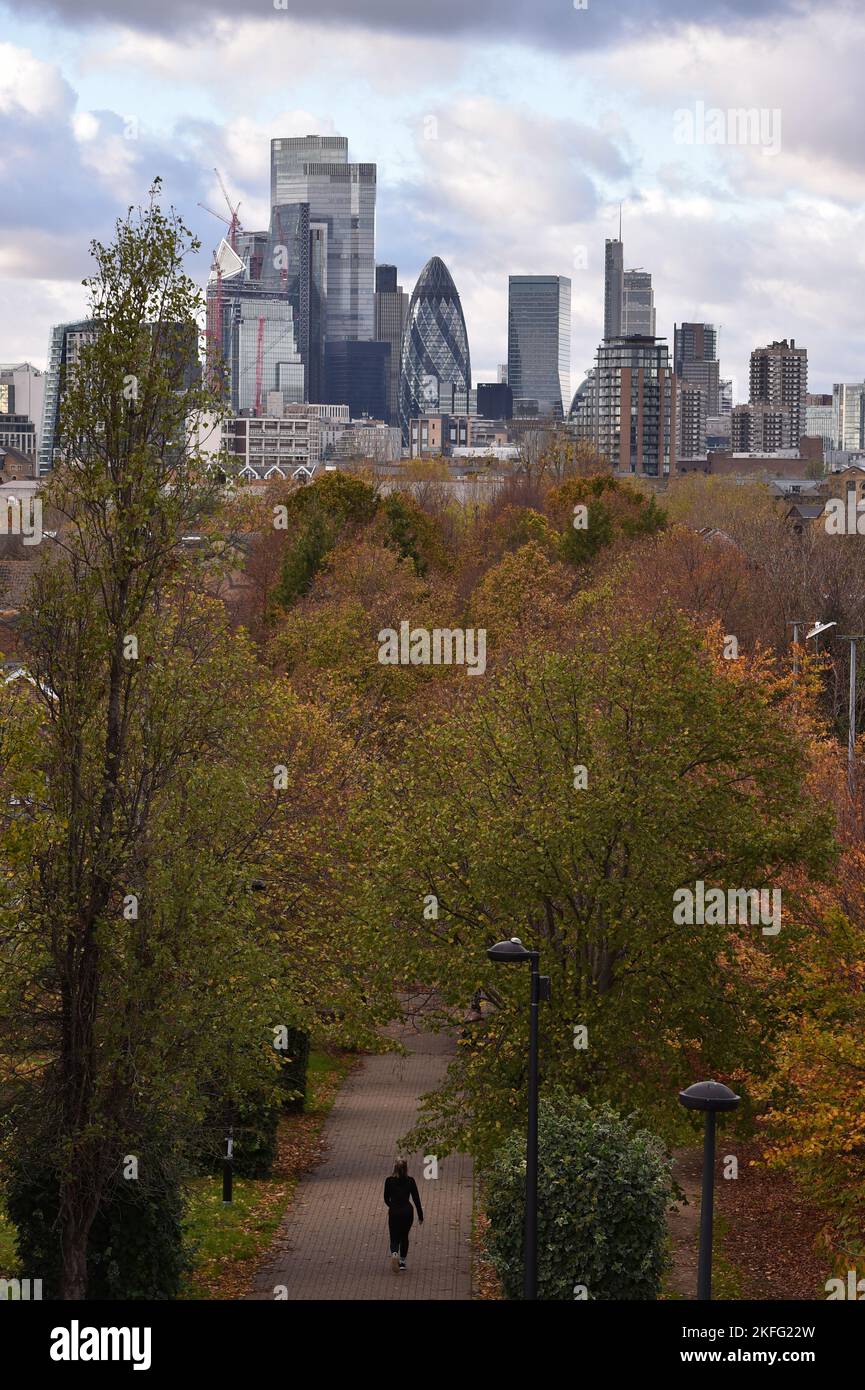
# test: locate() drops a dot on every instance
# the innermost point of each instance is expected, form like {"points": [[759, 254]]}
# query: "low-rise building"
{"points": [[266, 447], [18, 432], [14, 464], [436, 436], [363, 439]]}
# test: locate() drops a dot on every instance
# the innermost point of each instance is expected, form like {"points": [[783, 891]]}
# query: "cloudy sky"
{"points": [[506, 134]]}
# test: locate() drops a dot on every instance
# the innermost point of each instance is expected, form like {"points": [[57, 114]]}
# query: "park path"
{"points": [[333, 1243]]}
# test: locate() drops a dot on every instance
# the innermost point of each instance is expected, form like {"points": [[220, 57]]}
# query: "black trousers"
{"points": [[399, 1221]]}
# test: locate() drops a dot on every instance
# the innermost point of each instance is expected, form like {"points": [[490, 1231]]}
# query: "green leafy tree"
{"points": [[137, 958], [565, 801], [609, 509], [319, 515]]}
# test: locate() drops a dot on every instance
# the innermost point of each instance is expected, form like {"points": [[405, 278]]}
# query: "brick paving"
{"points": [[333, 1243]]}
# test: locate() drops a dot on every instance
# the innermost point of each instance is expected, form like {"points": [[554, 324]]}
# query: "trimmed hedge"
{"points": [[603, 1193]]}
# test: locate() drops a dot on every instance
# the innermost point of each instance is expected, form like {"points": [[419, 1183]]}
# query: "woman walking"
{"points": [[399, 1192]]}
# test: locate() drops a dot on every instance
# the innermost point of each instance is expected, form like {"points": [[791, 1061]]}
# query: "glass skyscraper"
{"points": [[848, 404], [263, 336], [539, 343], [314, 169], [64, 345], [614, 287], [356, 374], [435, 361], [391, 308]]}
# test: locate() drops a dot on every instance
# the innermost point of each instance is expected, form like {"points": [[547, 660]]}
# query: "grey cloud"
{"points": [[544, 23]]}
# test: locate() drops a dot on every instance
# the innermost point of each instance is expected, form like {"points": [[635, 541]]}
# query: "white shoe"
{"points": [[394, 1262]]}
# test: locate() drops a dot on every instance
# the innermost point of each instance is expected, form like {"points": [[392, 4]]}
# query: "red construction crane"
{"points": [[259, 365]]}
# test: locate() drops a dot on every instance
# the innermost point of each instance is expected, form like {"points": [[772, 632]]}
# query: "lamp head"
{"points": [[509, 952], [709, 1095]]}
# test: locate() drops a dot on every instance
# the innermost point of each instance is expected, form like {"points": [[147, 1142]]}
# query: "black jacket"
{"points": [[399, 1193]]}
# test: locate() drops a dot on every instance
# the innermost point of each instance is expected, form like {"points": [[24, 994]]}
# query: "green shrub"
{"points": [[136, 1246], [603, 1192]]}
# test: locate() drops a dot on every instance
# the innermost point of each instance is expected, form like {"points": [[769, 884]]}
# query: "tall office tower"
{"points": [[64, 347], [691, 419], [539, 344], [391, 309], [848, 407], [264, 355], [695, 359], [779, 377], [636, 406], [638, 305], [435, 346], [614, 288], [315, 169], [286, 274], [502, 372]]}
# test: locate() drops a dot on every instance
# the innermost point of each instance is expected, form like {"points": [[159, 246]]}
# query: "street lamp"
{"points": [[513, 952], [710, 1097], [851, 718], [816, 631]]}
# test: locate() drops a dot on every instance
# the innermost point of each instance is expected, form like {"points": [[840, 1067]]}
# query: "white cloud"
{"points": [[85, 126], [29, 86]]}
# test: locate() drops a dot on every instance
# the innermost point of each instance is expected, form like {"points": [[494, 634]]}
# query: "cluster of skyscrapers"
{"points": [[307, 334]]}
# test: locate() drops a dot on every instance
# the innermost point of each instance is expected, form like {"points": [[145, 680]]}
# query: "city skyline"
{"points": [[745, 236]]}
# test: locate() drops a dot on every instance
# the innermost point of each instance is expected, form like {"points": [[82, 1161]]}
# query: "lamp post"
{"points": [[228, 1167], [851, 720], [796, 624], [710, 1097], [513, 952]]}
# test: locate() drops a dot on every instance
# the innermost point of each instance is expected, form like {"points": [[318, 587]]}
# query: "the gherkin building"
{"points": [[435, 368]]}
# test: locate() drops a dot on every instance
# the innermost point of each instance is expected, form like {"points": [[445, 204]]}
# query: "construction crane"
{"points": [[214, 307], [234, 225], [232, 222]]}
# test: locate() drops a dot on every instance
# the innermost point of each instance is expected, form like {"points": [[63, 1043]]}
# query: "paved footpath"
{"points": [[333, 1243]]}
